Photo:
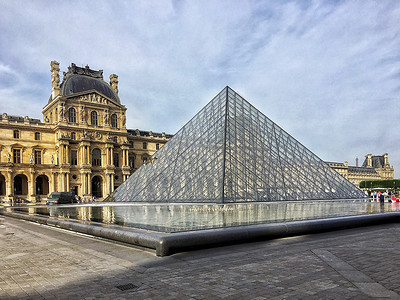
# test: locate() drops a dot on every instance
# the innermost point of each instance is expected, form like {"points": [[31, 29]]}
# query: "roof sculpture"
{"points": [[230, 152]]}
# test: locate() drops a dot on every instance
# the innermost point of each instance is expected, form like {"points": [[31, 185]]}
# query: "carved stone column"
{"points": [[9, 185], [55, 79], [52, 184], [32, 184]]}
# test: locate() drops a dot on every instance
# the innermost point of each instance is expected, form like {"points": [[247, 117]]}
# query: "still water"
{"points": [[188, 217]]}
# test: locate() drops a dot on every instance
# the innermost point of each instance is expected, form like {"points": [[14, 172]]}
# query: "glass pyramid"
{"points": [[231, 152]]}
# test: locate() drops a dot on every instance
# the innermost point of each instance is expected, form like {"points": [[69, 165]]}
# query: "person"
{"points": [[393, 198], [382, 197]]}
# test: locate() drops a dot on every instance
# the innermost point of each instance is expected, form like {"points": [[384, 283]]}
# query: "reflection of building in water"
{"points": [[85, 213], [82, 144], [375, 167], [108, 214], [170, 218]]}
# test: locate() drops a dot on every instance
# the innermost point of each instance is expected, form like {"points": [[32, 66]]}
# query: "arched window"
{"points": [[72, 115], [96, 157], [93, 118], [114, 121]]}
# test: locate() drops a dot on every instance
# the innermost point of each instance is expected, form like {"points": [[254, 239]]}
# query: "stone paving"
{"points": [[39, 262]]}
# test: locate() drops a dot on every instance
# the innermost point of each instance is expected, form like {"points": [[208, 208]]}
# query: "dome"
{"points": [[78, 80]]}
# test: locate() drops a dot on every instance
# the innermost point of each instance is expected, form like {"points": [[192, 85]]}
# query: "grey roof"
{"points": [[378, 161], [363, 170], [20, 119], [78, 80], [137, 132], [230, 152]]}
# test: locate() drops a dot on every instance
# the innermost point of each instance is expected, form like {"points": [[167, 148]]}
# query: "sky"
{"points": [[327, 72]]}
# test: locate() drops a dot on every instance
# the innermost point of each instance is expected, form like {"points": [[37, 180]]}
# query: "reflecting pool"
{"points": [[189, 217]]}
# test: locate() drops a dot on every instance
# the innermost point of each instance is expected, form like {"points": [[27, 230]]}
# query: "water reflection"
{"points": [[186, 217]]}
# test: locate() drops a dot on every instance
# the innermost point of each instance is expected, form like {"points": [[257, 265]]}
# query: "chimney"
{"points": [[385, 156], [356, 161], [55, 79], [369, 160], [114, 82]]}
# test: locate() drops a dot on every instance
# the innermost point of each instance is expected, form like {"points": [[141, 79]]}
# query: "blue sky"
{"points": [[328, 72]]}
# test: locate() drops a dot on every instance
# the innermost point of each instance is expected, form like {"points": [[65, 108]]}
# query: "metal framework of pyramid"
{"points": [[230, 152]]}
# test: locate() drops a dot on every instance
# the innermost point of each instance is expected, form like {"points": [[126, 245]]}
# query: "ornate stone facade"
{"points": [[82, 145], [375, 167]]}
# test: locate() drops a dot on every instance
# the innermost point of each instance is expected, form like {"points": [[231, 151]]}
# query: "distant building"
{"points": [[375, 167], [82, 145]]}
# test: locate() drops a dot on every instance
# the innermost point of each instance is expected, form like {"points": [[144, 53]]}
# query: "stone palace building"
{"points": [[374, 167], [82, 145]]}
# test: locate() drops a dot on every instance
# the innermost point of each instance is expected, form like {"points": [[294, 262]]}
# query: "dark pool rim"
{"points": [[169, 243]]}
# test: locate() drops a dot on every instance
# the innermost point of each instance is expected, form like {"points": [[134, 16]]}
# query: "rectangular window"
{"points": [[38, 157], [157, 146], [16, 134], [116, 160], [37, 136], [17, 156], [74, 157], [144, 145], [131, 161]]}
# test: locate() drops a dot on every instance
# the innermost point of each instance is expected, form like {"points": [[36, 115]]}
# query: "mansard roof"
{"points": [[378, 161], [19, 119], [78, 80], [363, 170]]}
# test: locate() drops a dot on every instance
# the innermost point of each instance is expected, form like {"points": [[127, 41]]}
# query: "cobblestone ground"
{"points": [[38, 262]]}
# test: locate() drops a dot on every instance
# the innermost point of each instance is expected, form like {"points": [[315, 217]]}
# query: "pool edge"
{"points": [[169, 243]]}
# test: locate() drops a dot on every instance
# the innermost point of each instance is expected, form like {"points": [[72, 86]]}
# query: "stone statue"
{"points": [[106, 118], [8, 157], [52, 159], [83, 114], [61, 111], [31, 159], [114, 82]]}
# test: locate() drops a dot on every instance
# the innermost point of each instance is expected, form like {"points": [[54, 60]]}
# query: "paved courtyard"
{"points": [[39, 262]]}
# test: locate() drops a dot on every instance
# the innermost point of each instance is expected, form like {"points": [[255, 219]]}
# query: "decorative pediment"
{"points": [[94, 97]]}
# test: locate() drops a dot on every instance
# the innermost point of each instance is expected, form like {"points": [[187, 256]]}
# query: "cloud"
{"points": [[326, 71]]}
